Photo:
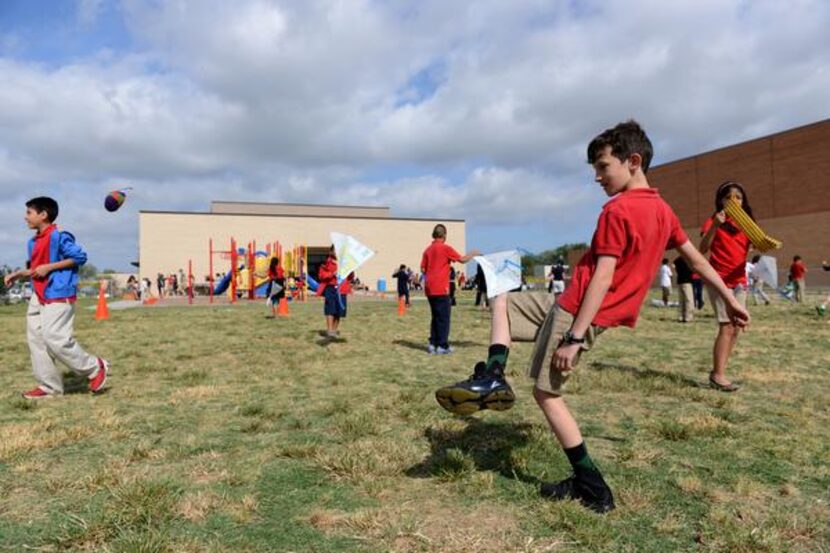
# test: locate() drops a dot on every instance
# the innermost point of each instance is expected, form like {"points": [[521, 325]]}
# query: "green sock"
{"points": [[582, 463], [497, 354]]}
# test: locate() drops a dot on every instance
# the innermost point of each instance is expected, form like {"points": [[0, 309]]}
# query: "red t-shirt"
{"points": [[797, 270], [40, 256], [277, 274], [435, 264], [728, 252], [327, 276], [636, 227]]}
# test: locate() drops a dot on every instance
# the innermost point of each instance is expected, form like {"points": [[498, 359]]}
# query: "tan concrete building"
{"points": [[168, 240], [787, 179]]}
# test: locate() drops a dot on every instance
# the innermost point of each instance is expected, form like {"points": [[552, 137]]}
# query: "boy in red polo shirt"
{"points": [[608, 288], [54, 259], [797, 271], [435, 264]]}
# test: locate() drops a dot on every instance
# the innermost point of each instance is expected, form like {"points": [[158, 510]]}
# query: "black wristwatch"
{"points": [[570, 339]]}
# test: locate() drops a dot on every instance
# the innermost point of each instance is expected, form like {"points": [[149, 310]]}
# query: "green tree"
{"points": [[88, 271], [549, 257]]}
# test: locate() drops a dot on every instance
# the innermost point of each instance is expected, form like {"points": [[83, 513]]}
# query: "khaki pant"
{"points": [[49, 332], [799, 287], [687, 302], [718, 304], [535, 317]]}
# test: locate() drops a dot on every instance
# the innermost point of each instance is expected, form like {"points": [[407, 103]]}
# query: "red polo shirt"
{"points": [[435, 263], [728, 252], [636, 227], [797, 270]]}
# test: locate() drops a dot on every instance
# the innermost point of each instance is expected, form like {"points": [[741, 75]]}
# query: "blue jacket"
{"points": [[62, 283]]}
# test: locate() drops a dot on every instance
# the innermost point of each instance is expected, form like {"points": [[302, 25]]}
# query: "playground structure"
{"points": [[248, 274]]}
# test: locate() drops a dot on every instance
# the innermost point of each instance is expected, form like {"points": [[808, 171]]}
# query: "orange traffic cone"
{"points": [[282, 310], [102, 312], [401, 306]]}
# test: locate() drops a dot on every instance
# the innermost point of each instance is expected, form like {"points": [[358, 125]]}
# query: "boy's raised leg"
{"points": [[486, 388]]}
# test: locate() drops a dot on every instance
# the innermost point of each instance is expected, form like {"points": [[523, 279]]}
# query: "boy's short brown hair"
{"points": [[625, 139], [440, 231], [44, 204]]}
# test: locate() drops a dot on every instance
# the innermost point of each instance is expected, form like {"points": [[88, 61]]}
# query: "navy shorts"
{"points": [[334, 306]]}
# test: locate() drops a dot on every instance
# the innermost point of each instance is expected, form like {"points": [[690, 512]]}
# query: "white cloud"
{"points": [[462, 103]]}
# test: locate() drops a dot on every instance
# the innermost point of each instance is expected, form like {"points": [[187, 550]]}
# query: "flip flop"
{"points": [[723, 387]]}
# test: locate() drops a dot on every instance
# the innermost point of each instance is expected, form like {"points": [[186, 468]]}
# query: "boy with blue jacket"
{"points": [[54, 259]]}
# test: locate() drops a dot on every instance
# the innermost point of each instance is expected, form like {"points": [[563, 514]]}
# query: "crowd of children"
{"points": [[607, 289]]}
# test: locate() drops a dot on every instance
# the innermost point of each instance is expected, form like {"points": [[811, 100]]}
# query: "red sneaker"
{"points": [[96, 383], [37, 393]]}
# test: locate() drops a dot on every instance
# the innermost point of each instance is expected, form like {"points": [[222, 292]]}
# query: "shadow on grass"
{"points": [[646, 373], [77, 384], [422, 346], [480, 446], [326, 340]]}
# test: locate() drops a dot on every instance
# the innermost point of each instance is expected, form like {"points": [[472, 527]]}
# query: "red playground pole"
{"points": [[190, 281], [250, 264], [234, 256], [210, 267]]}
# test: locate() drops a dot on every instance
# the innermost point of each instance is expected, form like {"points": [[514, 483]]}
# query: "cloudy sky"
{"points": [[437, 108]]}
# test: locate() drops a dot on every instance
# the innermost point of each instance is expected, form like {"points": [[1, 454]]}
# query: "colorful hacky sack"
{"points": [[114, 200]]}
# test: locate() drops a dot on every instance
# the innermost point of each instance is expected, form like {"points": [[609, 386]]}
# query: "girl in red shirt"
{"points": [[728, 247], [276, 289]]}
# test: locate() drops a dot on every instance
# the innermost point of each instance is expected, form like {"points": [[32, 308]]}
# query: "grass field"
{"points": [[226, 431]]}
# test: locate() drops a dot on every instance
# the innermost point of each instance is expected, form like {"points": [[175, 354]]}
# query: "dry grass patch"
{"points": [[194, 393], [368, 459], [18, 438], [430, 526], [195, 507]]}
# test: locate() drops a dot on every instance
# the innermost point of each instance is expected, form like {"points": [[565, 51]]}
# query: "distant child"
{"points": [[797, 272], [481, 288], [435, 264], [665, 281], [755, 283], [697, 290], [276, 288], [557, 278], [54, 259], [607, 289], [334, 306], [728, 247], [821, 308], [685, 293], [402, 276]]}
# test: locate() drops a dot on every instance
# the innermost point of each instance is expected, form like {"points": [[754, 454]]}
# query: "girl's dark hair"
{"points": [[723, 191], [275, 261]]}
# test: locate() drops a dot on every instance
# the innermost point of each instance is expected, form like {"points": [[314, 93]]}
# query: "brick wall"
{"points": [[787, 179]]}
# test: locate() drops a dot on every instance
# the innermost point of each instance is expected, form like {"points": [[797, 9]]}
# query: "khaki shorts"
{"points": [[718, 304], [535, 317]]}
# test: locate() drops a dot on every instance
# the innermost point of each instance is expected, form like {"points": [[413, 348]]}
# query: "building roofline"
{"points": [[209, 214], [299, 205], [747, 141]]}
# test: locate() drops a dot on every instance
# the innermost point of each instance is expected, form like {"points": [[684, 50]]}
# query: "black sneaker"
{"points": [[483, 390], [596, 498]]}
